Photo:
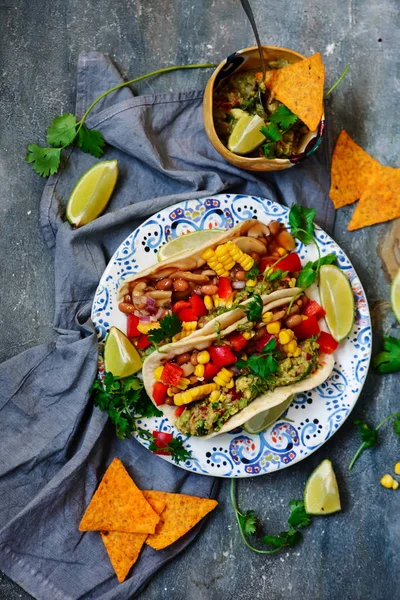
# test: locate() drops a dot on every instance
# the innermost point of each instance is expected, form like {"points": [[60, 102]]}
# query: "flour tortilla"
{"points": [[260, 404]]}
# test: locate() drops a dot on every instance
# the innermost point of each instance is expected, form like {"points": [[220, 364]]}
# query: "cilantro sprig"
{"points": [[279, 122], [369, 436], [65, 130], [169, 326], [254, 308], [248, 521], [388, 361], [264, 364]]}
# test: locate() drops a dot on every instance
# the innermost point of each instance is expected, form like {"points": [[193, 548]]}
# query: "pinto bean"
{"points": [[175, 390], [299, 302], [193, 358], [126, 308], [294, 310], [240, 275], [274, 227], [293, 321], [209, 290], [193, 379], [180, 285], [278, 315], [286, 240], [164, 284], [183, 358], [259, 334], [256, 257], [169, 400]]}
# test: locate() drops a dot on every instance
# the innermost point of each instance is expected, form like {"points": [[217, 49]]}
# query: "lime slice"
{"points": [[91, 194], [395, 295], [246, 135], [337, 300], [187, 242], [264, 419], [120, 356], [321, 494]]}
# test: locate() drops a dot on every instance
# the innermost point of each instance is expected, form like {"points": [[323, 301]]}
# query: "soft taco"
{"points": [[198, 287], [208, 385]]}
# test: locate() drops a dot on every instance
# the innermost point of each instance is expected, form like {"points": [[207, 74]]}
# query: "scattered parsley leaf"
{"points": [[174, 448], [301, 221], [91, 141], [298, 518], [248, 522], [274, 275], [269, 149], [370, 436], [253, 273], [271, 132], [44, 161], [169, 326], [62, 130], [308, 274], [388, 361], [283, 117], [264, 364], [254, 308], [283, 540]]}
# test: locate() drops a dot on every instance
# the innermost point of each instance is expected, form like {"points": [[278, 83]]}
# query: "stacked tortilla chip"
{"points": [[355, 175], [127, 517]]}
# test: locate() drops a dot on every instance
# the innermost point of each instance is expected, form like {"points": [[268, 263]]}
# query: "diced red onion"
{"points": [[150, 305], [238, 285], [144, 319], [160, 313]]}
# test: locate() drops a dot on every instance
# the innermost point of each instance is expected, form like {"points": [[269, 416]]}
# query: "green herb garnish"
{"points": [[283, 117], [253, 273], [254, 308], [388, 361], [271, 132], [369, 436], [169, 326], [308, 275], [263, 364], [271, 275]]}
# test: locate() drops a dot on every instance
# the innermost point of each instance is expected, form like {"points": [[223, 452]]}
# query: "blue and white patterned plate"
{"points": [[314, 416]]}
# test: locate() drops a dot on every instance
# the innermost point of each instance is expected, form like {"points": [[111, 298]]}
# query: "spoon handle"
{"points": [[249, 13]]}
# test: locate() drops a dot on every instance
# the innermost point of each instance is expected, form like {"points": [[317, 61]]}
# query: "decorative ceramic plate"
{"points": [[314, 416]]}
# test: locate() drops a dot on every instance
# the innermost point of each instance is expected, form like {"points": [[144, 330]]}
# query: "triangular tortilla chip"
{"points": [[351, 171], [119, 505], [124, 548], [380, 201], [300, 87], [181, 513]]}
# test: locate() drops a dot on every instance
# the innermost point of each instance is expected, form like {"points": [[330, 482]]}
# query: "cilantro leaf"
{"points": [[44, 161], [248, 522], [396, 425], [253, 273], [328, 259], [264, 364], [271, 132], [298, 518], [254, 308], [91, 141], [274, 275], [283, 540], [308, 274], [301, 220], [368, 436], [169, 326], [269, 149], [62, 130], [388, 361], [284, 117], [174, 448]]}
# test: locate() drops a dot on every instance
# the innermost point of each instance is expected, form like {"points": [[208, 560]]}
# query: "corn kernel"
{"points": [[387, 481], [230, 384], [158, 373], [203, 357], [183, 383], [179, 336], [216, 300], [251, 282], [292, 282], [297, 353], [207, 254], [267, 317], [214, 396], [208, 302], [247, 262], [281, 251], [248, 335], [397, 468], [189, 325], [304, 318], [229, 303], [291, 346], [199, 371], [223, 377], [274, 328], [395, 484], [284, 337], [170, 392], [145, 327], [194, 394]]}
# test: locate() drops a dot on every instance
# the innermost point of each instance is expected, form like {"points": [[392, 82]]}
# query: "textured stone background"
{"points": [[354, 555]]}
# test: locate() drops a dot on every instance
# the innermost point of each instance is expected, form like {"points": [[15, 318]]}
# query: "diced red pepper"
{"points": [[327, 343], [159, 393], [262, 342], [307, 328], [210, 371], [143, 342], [179, 411], [224, 288], [131, 326], [162, 439], [265, 262], [171, 374], [187, 314], [313, 308], [237, 341], [290, 263], [179, 305], [221, 356], [198, 305]]}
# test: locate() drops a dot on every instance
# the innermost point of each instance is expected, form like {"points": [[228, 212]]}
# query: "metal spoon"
{"points": [[250, 16]]}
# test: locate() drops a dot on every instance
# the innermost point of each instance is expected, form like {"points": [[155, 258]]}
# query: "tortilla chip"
{"points": [[119, 505], [181, 513], [123, 549], [300, 87], [380, 201], [351, 171]]}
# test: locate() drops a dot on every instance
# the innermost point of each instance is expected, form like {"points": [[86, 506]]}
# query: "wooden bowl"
{"points": [[244, 60]]}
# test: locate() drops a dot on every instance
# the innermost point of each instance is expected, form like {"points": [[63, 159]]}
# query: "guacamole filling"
{"points": [[205, 417]]}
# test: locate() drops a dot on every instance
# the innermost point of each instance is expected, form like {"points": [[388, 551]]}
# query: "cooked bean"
{"points": [[299, 302], [164, 284], [139, 288], [240, 275], [128, 298], [258, 335], [126, 308], [175, 390], [160, 295], [209, 290], [183, 358], [193, 379], [278, 315], [197, 290], [193, 358], [293, 321], [294, 310], [256, 257], [169, 400], [286, 240], [274, 227], [180, 285]]}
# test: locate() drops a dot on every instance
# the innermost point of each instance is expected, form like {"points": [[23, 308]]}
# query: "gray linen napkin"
{"points": [[55, 446]]}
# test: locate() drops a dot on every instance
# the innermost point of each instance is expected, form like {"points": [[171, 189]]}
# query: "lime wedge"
{"points": [[264, 419], [91, 194], [321, 494], [337, 300], [187, 242], [395, 295], [246, 135], [120, 356]]}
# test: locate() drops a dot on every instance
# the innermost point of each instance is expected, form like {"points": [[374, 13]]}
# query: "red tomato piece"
{"points": [[179, 305], [162, 439], [210, 371], [171, 374], [143, 342], [187, 314], [197, 304], [313, 308], [262, 342], [290, 263], [327, 343], [266, 262], [221, 355], [131, 326], [179, 411], [159, 393], [237, 341], [307, 328], [224, 288]]}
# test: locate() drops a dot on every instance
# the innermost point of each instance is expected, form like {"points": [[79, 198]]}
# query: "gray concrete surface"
{"points": [[354, 555]]}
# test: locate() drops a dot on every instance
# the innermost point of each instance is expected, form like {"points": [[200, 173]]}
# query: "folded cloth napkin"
{"points": [[55, 446]]}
